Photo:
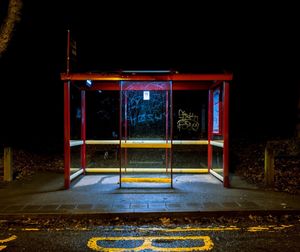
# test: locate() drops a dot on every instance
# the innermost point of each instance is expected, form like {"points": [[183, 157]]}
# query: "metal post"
{"points": [[8, 164], [171, 133], [120, 134], [226, 182], [209, 129], [67, 156], [126, 129], [269, 166], [68, 52], [83, 130], [167, 127]]}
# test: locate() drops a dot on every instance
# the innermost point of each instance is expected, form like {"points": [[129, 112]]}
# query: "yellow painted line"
{"points": [[146, 180], [147, 243], [146, 145], [190, 142], [2, 247], [221, 228], [13, 237], [189, 229], [30, 229], [282, 227], [268, 228], [149, 170]]}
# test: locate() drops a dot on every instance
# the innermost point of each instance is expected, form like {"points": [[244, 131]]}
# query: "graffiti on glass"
{"points": [[187, 121]]}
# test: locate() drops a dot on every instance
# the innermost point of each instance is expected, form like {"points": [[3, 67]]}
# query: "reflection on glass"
{"points": [[75, 113], [146, 158], [190, 115], [102, 115], [102, 156], [75, 158], [145, 118], [146, 108], [217, 160], [189, 156]]}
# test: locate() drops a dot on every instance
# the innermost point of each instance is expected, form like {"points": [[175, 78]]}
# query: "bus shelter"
{"points": [[146, 126]]}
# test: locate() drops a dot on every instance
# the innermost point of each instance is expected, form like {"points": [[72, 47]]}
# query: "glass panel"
{"points": [[75, 113], [217, 160], [102, 114], [190, 114], [102, 156], [75, 158], [217, 137], [189, 156], [146, 110], [145, 158]]}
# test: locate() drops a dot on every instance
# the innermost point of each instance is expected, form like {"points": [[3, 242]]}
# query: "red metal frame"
{"points": [[149, 77], [178, 82], [68, 53], [171, 133], [220, 116], [67, 156], [209, 129], [167, 128], [226, 134], [83, 130], [120, 136]]}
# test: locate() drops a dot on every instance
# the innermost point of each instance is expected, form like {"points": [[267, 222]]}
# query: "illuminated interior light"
{"points": [[89, 83]]}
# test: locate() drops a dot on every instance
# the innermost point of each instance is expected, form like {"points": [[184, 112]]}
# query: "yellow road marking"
{"points": [[31, 229], [147, 243], [169, 230], [13, 237], [230, 228]]}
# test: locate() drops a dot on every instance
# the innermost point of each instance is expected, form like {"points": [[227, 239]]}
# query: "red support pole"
{"points": [[120, 134], [167, 127], [67, 150], [125, 133], [83, 131], [226, 182], [209, 129], [68, 52], [171, 133]]}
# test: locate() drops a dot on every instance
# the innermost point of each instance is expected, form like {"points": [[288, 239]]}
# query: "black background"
{"points": [[257, 43]]}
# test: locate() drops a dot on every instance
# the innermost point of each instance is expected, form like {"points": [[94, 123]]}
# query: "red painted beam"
{"points": [[152, 77], [177, 85]]}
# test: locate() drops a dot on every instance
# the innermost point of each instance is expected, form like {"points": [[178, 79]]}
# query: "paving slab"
{"points": [[43, 193]]}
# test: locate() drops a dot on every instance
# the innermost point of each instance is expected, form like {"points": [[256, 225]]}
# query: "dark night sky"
{"points": [[257, 43]]}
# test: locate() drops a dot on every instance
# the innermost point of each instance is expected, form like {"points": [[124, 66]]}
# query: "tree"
{"points": [[9, 23]]}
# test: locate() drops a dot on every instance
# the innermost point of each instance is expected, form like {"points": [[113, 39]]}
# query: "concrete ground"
{"points": [[43, 193]]}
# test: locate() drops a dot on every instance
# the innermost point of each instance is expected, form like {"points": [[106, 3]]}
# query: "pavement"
{"points": [[201, 194]]}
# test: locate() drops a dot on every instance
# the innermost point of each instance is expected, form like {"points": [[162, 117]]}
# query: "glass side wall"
{"points": [[189, 157], [190, 115], [217, 130], [75, 159], [217, 160], [75, 113], [102, 126], [146, 128], [190, 123], [102, 115], [104, 156]]}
